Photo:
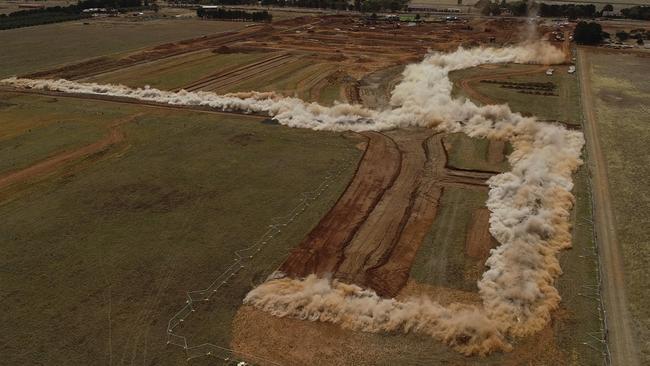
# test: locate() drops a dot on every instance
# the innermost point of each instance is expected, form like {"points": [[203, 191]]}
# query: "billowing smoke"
{"points": [[529, 205]]}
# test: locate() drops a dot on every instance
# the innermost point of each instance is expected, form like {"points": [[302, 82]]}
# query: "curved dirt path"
{"points": [[623, 346], [484, 99], [51, 164]]}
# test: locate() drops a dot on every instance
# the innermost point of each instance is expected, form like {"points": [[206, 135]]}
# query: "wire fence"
{"points": [[598, 341], [242, 259]]}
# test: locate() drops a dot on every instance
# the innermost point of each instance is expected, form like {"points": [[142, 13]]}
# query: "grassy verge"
{"points": [[578, 326], [97, 258], [622, 95]]}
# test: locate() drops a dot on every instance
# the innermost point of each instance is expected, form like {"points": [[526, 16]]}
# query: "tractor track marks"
{"points": [[101, 65], [52, 164], [229, 77], [372, 234]]}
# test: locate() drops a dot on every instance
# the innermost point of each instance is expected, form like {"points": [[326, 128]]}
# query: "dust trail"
{"points": [[529, 205]]}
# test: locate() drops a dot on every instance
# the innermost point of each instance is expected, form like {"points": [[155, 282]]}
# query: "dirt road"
{"points": [[623, 346], [51, 164]]}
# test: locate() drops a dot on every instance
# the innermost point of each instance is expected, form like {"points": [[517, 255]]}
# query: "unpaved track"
{"points": [[623, 346], [472, 93], [372, 234], [51, 164]]}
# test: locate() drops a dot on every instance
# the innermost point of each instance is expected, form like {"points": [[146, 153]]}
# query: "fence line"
{"points": [[242, 256], [601, 338]]}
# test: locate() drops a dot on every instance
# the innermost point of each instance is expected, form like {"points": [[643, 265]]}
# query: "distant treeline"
{"points": [[55, 14], [637, 12], [571, 11], [221, 13], [515, 8], [27, 18], [588, 33]]}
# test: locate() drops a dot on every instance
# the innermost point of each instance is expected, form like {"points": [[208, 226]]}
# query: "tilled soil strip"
{"points": [[372, 235], [321, 251]]}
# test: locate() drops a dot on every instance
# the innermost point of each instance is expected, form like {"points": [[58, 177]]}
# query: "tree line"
{"points": [[571, 11], [27, 18], [227, 14], [56, 14], [637, 12]]}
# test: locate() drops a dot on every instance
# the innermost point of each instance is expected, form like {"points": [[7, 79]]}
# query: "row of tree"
{"points": [[588, 33], [527, 8], [55, 14], [637, 12], [571, 11], [227, 14], [516, 8], [109, 4], [27, 18]]}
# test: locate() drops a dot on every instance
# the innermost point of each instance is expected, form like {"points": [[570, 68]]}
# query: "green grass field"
{"points": [[24, 50], [441, 259], [287, 78], [469, 153], [34, 131], [563, 107], [621, 97], [176, 72], [330, 94], [98, 256]]}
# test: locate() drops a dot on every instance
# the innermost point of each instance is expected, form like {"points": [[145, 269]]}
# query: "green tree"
{"points": [[588, 33], [623, 36]]}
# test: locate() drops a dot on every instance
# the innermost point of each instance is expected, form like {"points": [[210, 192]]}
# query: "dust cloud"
{"points": [[530, 205]]}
